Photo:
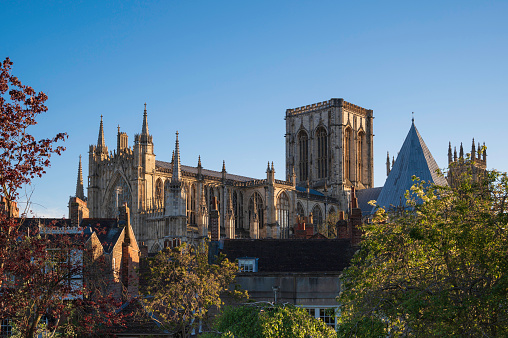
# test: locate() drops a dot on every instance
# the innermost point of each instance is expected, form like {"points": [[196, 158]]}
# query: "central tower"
{"points": [[329, 145]]}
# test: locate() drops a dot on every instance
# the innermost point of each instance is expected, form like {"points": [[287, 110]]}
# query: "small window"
{"points": [[248, 264], [5, 328]]}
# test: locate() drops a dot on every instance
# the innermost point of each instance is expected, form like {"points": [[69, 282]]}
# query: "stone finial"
{"points": [[387, 163], [272, 167], [461, 153], [144, 129], [473, 151], [449, 153], [479, 152], [268, 167], [79, 185], [484, 153], [223, 166], [100, 141], [199, 161], [177, 171], [454, 154]]}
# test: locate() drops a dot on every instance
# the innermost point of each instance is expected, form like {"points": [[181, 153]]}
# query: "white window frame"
{"points": [[247, 265], [319, 310]]}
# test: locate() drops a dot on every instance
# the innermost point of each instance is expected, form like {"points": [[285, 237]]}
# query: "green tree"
{"points": [[183, 286], [259, 320], [438, 268]]}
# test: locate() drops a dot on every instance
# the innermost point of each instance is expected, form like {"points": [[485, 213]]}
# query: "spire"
{"points": [[461, 154], [144, 130], [484, 153], [100, 142], [223, 166], [199, 161], [177, 171], [454, 154], [272, 167], [79, 185], [479, 152], [449, 153], [387, 163], [473, 151], [268, 167]]}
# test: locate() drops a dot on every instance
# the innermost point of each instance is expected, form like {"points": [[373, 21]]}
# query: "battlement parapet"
{"points": [[327, 104]]}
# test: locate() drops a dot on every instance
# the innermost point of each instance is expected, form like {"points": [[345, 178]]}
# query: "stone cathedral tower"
{"points": [[330, 145]]}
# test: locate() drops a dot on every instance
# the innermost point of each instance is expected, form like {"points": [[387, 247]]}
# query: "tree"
{"points": [[269, 320], [38, 271], [329, 226], [437, 268], [183, 286]]}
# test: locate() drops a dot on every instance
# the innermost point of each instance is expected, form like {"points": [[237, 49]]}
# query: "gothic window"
{"points": [[260, 208], [240, 210], [299, 209], [166, 190], [347, 153], [191, 207], [159, 193], [283, 214], [119, 194], [303, 144], [331, 211], [317, 216], [235, 208], [210, 199], [359, 150], [322, 158]]}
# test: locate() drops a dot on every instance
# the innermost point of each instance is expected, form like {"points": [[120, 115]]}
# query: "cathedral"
{"points": [[329, 150]]}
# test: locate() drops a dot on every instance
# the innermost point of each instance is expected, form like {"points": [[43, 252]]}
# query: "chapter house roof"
{"points": [[415, 159]]}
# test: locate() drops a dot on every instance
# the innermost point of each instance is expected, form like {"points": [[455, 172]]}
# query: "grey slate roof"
{"points": [[414, 158], [364, 196]]}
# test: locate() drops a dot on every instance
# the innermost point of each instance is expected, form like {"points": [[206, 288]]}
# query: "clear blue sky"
{"points": [[222, 73]]}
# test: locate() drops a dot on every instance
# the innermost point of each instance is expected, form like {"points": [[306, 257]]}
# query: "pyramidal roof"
{"points": [[414, 158]]}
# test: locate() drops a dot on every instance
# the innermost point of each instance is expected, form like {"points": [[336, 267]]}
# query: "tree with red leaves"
{"points": [[40, 271]]}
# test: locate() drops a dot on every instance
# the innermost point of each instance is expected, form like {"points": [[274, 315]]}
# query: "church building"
{"points": [[329, 149]]}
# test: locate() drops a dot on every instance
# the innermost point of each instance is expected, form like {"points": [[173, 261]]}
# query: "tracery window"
{"points": [[317, 216], [299, 209], [283, 214], [159, 193], [347, 153], [260, 208], [322, 159], [359, 149], [303, 142], [191, 206]]}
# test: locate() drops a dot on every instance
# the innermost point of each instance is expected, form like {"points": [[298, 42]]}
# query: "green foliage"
{"points": [[268, 320], [439, 268], [183, 286]]}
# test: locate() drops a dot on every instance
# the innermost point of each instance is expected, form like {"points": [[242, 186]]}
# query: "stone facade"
{"points": [[170, 201], [330, 145]]}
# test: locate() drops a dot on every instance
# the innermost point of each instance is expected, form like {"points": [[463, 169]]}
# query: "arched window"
{"points": [[159, 193], [359, 150], [260, 208], [322, 158], [166, 190], [211, 195], [303, 144], [299, 209], [235, 208], [317, 216], [191, 206], [283, 214], [240, 210], [347, 153]]}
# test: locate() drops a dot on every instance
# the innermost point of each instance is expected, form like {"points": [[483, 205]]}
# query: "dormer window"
{"points": [[248, 264]]}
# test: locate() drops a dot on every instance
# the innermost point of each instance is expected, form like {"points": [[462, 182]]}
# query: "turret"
{"points": [[122, 141], [143, 147]]}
